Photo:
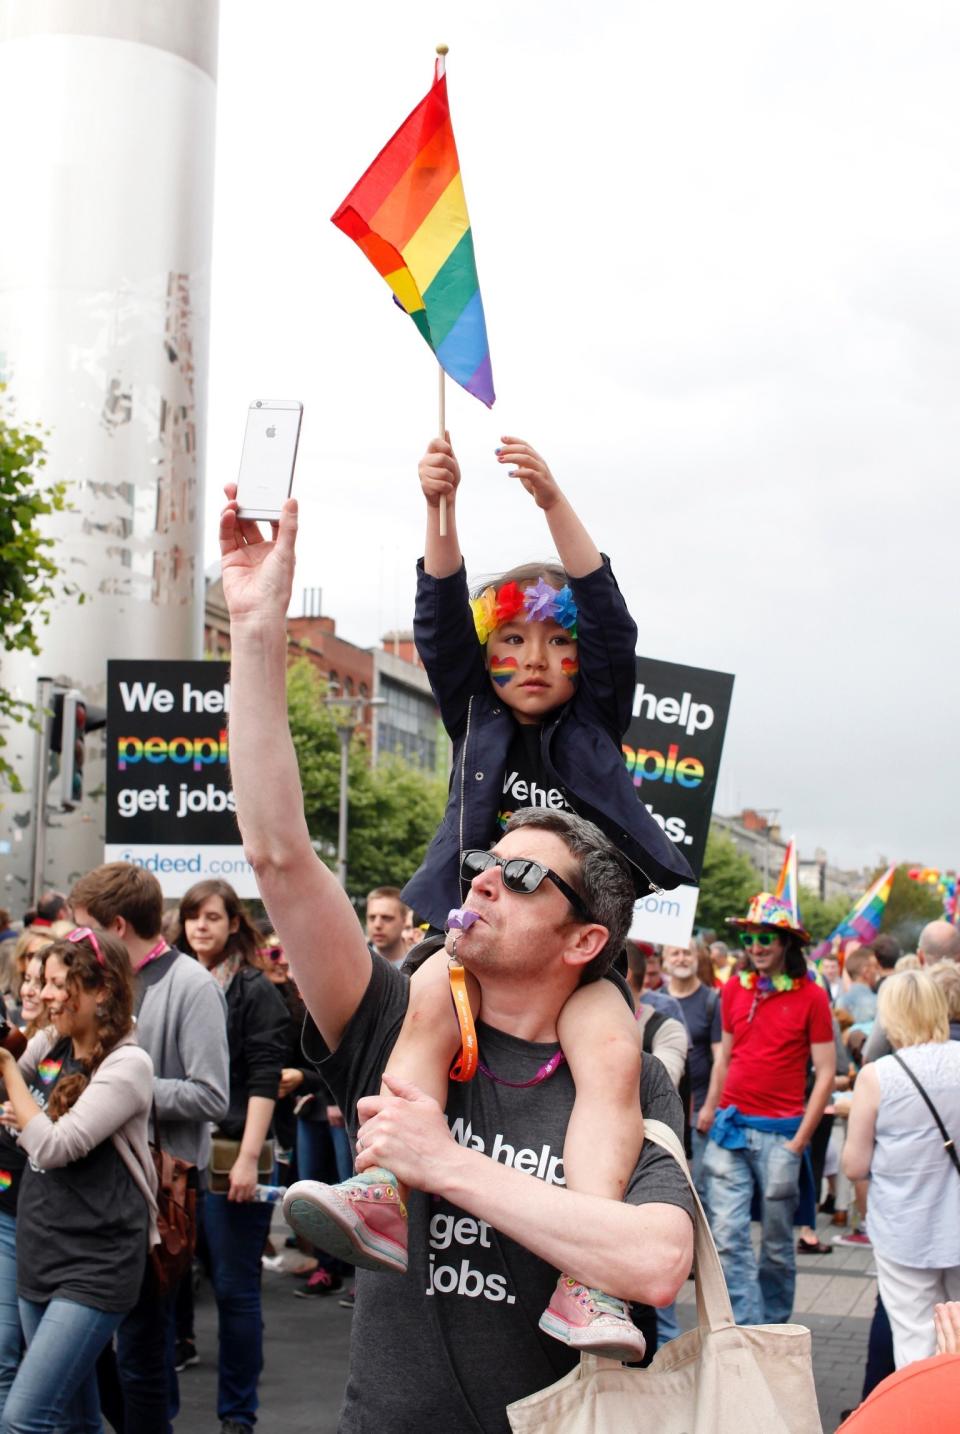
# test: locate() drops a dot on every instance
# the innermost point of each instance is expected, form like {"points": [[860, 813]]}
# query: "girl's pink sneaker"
{"points": [[362, 1220], [592, 1321]]}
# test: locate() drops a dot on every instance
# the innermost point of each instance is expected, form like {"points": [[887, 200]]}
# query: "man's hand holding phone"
{"points": [[257, 571]]}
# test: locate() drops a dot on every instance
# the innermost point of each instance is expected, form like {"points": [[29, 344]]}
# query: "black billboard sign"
{"points": [[672, 749], [170, 804]]}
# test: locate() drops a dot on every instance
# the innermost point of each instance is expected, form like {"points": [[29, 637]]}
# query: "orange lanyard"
{"points": [[464, 1067]]}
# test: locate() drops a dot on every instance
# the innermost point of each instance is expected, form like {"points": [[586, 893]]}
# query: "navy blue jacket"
{"points": [[579, 742]]}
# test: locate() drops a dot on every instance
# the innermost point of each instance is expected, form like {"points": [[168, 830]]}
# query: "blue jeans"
{"points": [[668, 1326], [145, 1360], [759, 1294], [343, 1150], [11, 1339], [235, 1234], [56, 1385], [699, 1142], [316, 1153]]}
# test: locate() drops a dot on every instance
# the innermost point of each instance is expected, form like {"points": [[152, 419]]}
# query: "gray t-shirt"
{"points": [[450, 1344]]}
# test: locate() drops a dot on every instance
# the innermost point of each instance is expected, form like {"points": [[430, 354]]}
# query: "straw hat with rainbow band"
{"points": [[537, 602], [770, 913]]}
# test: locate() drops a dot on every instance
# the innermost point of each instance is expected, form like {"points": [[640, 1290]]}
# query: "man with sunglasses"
{"points": [[776, 1022], [451, 1342]]}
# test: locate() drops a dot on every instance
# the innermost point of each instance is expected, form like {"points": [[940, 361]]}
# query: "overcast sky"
{"points": [[717, 246]]}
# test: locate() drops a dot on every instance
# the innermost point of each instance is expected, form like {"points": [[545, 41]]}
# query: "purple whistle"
{"points": [[460, 919]]}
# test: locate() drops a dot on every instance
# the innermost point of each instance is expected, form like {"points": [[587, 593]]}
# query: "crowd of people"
{"points": [[787, 1105], [303, 1052]]}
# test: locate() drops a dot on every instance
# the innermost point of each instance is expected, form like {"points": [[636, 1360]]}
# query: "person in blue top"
{"points": [[534, 678]]}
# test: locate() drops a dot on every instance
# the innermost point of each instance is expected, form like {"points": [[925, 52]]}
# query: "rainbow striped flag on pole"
{"points": [[409, 216], [863, 922], [787, 881]]}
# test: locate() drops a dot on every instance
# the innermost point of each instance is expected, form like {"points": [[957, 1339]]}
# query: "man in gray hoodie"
{"points": [[182, 1024]]}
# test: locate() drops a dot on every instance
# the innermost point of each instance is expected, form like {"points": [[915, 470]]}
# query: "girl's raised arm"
{"points": [[576, 549], [440, 478]]}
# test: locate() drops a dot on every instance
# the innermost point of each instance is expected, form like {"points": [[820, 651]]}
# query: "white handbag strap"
{"points": [[714, 1310]]}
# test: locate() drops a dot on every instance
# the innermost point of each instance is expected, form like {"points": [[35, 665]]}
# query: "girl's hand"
{"points": [[439, 471], [531, 470], [257, 572], [243, 1178]]}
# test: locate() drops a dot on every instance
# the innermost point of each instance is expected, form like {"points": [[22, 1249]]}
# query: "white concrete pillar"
{"points": [[107, 112]]}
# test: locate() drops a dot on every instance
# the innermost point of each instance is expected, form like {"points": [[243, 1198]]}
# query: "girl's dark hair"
{"points": [[112, 979], [242, 942], [526, 573]]}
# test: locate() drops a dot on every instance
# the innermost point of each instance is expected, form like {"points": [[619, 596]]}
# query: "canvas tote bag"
{"points": [[720, 1378]]}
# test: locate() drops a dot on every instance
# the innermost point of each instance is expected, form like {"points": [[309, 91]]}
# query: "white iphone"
{"points": [[269, 456]]}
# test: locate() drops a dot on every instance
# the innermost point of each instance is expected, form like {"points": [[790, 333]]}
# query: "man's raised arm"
{"points": [[311, 912]]}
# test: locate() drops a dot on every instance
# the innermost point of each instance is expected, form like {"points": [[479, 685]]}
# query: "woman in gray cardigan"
{"points": [[80, 1097]]}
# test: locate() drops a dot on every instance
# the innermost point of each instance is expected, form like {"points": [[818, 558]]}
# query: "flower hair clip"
{"points": [[538, 603], [484, 609], [510, 603]]}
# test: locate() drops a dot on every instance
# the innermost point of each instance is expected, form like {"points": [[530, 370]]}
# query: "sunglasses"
{"points": [[83, 933], [763, 939], [273, 953], [522, 875]]}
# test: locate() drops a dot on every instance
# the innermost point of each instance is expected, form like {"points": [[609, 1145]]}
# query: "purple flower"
{"points": [[540, 601]]}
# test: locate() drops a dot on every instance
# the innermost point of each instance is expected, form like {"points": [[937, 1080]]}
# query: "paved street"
{"points": [[306, 1347]]}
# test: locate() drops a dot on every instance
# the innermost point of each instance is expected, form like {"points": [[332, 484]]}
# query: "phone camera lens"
{"points": [[259, 404]]}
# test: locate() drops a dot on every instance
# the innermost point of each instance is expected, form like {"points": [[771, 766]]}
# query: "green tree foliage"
{"points": [[727, 882], [29, 577], [393, 811], [910, 907]]}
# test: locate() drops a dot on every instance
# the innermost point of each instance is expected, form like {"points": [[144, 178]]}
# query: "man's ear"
{"points": [[120, 927], [586, 942]]}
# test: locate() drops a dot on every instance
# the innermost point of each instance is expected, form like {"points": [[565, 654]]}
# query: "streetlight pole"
{"points": [[345, 733], [347, 714]]}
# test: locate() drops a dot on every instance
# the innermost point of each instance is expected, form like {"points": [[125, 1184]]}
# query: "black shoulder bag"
{"points": [[948, 1144]]}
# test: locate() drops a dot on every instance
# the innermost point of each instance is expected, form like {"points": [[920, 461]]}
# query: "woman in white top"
{"points": [[913, 1215]]}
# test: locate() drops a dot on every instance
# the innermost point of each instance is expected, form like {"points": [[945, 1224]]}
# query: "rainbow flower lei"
{"points": [[538, 603], [753, 981]]}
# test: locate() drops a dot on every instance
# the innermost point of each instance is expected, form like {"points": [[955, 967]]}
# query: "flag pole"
{"points": [[443, 433], [442, 51]]}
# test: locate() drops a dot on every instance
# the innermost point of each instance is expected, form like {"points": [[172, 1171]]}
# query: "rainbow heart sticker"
{"points": [[503, 670], [6, 1180], [48, 1070], [570, 666]]}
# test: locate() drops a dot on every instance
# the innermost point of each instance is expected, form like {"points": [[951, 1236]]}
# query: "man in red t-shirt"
{"points": [[776, 1020]]}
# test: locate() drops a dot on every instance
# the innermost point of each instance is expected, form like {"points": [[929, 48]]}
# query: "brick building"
{"points": [[405, 721]]}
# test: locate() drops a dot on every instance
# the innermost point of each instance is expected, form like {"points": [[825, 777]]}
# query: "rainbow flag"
{"points": [[787, 889], [409, 216], [863, 922]]}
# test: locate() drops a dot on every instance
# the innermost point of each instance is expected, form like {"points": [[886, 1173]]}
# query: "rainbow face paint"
{"points": [[503, 670], [570, 666], [48, 1070]]}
